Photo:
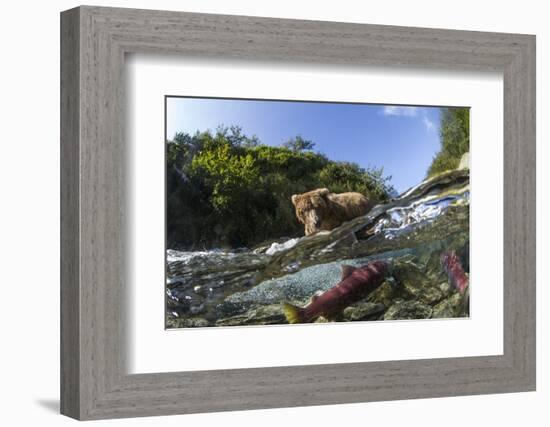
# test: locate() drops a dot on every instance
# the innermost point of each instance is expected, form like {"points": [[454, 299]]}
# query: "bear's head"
{"points": [[311, 208]]}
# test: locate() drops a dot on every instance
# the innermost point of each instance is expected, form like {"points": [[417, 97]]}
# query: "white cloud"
{"points": [[393, 110], [421, 113], [430, 126]]}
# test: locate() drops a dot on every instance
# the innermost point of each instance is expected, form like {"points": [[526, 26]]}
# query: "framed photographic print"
{"points": [[304, 212], [237, 207]]}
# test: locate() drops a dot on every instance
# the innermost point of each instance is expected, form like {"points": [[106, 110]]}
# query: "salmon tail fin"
{"points": [[293, 314]]}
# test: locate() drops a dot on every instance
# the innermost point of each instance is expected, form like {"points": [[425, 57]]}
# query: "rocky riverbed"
{"points": [[248, 287]]}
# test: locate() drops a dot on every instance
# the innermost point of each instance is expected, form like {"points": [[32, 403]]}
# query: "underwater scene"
{"points": [[313, 212]]}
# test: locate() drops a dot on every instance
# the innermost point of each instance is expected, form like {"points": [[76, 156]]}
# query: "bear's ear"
{"points": [[323, 192], [294, 198]]}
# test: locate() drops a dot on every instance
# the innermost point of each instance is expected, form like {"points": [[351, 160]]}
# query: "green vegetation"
{"points": [[225, 189], [455, 140]]}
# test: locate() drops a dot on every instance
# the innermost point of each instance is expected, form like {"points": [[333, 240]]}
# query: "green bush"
{"points": [[229, 190], [455, 140]]}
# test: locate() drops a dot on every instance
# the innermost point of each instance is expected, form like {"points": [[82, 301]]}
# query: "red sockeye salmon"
{"points": [[457, 276], [356, 284]]}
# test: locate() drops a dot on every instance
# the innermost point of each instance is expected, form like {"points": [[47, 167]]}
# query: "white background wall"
{"points": [[29, 212]]}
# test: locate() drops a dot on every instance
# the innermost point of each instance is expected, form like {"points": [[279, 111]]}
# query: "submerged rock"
{"points": [[192, 322], [363, 311], [267, 315], [417, 283], [453, 306], [403, 310], [384, 295]]}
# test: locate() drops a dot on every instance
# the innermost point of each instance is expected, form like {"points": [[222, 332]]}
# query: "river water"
{"points": [[244, 287]]}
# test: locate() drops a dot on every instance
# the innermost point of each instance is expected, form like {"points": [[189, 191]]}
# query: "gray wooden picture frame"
{"points": [[94, 41]]}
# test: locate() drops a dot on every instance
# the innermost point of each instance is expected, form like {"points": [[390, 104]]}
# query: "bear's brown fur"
{"points": [[322, 210]]}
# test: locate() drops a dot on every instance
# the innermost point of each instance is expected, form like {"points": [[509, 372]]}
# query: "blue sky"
{"points": [[402, 139]]}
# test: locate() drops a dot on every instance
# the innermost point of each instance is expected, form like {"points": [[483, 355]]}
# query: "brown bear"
{"points": [[322, 210]]}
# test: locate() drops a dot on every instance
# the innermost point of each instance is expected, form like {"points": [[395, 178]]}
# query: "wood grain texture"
{"points": [[70, 293], [94, 232]]}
